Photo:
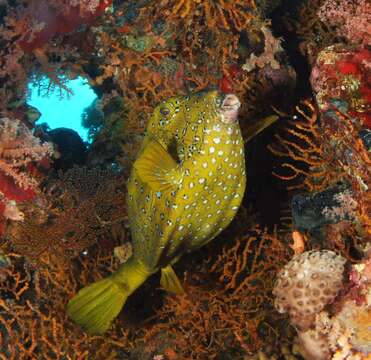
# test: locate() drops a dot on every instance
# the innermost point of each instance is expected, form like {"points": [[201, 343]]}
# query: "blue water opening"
{"points": [[63, 111]]}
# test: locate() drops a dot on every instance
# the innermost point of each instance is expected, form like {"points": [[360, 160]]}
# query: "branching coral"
{"points": [[83, 207], [18, 149], [303, 147], [230, 315], [225, 14], [32, 311]]}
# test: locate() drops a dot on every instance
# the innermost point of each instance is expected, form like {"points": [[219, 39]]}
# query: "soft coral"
{"points": [[46, 20]]}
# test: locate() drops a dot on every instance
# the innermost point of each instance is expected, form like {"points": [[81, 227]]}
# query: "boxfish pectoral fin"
{"points": [[259, 126], [170, 281], [156, 167]]}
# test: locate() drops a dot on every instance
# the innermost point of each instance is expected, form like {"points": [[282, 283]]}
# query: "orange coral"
{"points": [[229, 315], [83, 207], [217, 13], [302, 145], [33, 324]]}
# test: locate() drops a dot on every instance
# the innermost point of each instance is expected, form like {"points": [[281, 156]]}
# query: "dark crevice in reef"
{"points": [[289, 10]]}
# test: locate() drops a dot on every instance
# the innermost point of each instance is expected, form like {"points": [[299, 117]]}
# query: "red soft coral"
{"points": [[44, 19]]}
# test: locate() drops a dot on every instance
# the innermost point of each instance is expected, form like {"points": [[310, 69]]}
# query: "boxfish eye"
{"points": [[164, 111]]}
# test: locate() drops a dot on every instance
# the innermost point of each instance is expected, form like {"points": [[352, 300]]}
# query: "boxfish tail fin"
{"points": [[95, 306], [259, 126], [170, 281]]}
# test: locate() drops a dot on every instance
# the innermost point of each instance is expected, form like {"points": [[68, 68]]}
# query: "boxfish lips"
{"points": [[229, 108]]}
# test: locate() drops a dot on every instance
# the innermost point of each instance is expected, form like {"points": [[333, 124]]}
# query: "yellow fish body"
{"points": [[185, 188], [189, 178]]}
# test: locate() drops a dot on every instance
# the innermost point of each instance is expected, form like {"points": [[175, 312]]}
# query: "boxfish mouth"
{"points": [[229, 108]]}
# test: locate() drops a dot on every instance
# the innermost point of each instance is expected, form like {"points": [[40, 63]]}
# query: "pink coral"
{"points": [[307, 284], [351, 18], [42, 19], [18, 150]]}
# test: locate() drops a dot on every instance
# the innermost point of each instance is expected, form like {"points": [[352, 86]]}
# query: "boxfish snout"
{"points": [[229, 108]]}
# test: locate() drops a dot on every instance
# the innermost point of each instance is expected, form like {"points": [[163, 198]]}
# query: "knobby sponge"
{"points": [[307, 284]]}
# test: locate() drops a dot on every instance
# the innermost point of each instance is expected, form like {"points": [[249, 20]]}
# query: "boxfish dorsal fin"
{"points": [[259, 126], [156, 167], [170, 282]]}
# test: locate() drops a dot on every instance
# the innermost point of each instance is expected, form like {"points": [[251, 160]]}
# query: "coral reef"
{"points": [[60, 231], [210, 319], [19, 152], [341, 329], [349, 19], [79, 208], [307, 284]]}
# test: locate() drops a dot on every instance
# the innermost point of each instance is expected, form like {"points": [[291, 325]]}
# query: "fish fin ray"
{"points": [[259, 126], [170, 281], [156, 167]]}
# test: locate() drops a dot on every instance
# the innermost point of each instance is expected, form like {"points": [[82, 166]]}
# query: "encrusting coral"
{"points": [[332, 314], [307, 284]]}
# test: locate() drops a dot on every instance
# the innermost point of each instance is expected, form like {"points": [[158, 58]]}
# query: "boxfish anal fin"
{"points": [[170, 281]]}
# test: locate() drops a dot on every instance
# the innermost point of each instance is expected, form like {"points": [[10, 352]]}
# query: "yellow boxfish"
{"points": [[185, 187]]}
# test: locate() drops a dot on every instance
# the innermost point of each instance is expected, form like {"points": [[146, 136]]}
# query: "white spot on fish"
{"points": [[211, 149], [216, 140]]}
